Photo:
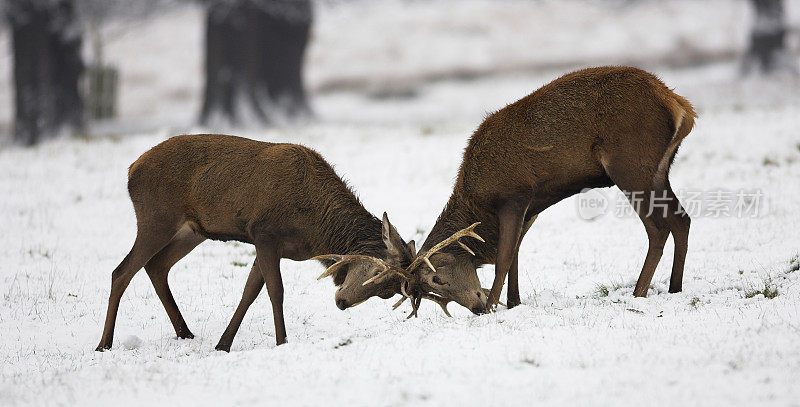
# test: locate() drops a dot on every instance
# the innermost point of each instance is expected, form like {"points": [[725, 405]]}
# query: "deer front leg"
{"points": [[513, 273], [271, 272], [511, 217]]}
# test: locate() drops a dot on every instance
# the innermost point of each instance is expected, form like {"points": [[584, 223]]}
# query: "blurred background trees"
{"points": [[125, 66], [47, 40], [254, 52], [766, 51]]}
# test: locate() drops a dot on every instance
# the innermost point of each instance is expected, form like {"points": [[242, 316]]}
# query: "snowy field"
{"points": [[579, 336]]}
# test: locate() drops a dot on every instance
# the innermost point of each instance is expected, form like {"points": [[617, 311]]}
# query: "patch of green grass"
{"points": [[694, 302], [741, 272], [770, 290], [239, 263], [39, 252], [530, 361], [603, 290], [769, 162]]}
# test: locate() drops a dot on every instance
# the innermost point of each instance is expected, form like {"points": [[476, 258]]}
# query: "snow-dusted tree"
{"points": [[46, 40], [767, 49], [253, 61]]}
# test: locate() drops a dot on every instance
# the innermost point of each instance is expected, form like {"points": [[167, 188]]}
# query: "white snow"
{"points": [[131, 342], [67, 222]]}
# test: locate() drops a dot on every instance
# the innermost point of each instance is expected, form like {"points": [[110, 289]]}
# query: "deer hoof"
{"points": [[185, 335]]}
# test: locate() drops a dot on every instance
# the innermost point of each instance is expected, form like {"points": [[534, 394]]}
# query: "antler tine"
{"points": [[388, 270], [415, 304], [414, 307], [489, 292], [398, 303], [346, 259], [468, 231], [332, 269], [403, 291], [439, 300], [428, 261], [414, 301], [463, 246]]}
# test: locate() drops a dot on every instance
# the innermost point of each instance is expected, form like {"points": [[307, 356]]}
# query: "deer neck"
{"points": [[350, 230], [459, 213]]}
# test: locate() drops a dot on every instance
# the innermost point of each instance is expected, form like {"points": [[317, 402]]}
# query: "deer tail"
{"points": [[683, 116]]}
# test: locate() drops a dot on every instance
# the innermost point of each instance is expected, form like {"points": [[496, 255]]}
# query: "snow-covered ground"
{"points": [[579, 337]]}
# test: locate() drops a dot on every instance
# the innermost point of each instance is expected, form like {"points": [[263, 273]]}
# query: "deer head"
{"points": [[351, 271], [435, 275]]}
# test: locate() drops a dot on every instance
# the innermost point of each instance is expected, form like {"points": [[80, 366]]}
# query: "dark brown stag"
{"points": [[283, 198], [592, 128]]}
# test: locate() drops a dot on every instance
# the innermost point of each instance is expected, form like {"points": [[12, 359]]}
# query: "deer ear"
{"points": [[391, 238], [413, 247], [386, 228]]}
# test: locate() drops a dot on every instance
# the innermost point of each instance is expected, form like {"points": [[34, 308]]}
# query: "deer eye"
{"points": [[438, 280]]}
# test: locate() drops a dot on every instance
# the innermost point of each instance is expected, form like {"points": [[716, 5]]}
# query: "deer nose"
{"points": [[481, 308], [342, 304]]}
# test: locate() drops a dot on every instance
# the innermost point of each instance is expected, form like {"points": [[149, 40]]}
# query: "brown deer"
{"points": [[283, 198], [592, 128]]}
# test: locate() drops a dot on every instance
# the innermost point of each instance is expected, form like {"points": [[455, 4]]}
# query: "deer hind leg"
{"points": [[657, 235], [255, 281], [150, 239], [679, 223], [158, 269], [513, 299], [638, 185]]}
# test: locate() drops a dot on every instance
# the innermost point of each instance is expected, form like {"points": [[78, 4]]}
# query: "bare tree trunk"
{"points": [[47, 68], [254, 61], [767, 49]]}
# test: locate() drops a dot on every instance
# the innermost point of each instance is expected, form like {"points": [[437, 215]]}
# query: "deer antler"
{"points": [[468, 231], [415, 302], [406, 273], [342, 260]]}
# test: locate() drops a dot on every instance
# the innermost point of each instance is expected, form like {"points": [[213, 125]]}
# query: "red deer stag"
{"points": [[592, 128], [283, 198]]}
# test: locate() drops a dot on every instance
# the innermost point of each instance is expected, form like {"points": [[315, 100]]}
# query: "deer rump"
{"points": [[568, 135]]}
